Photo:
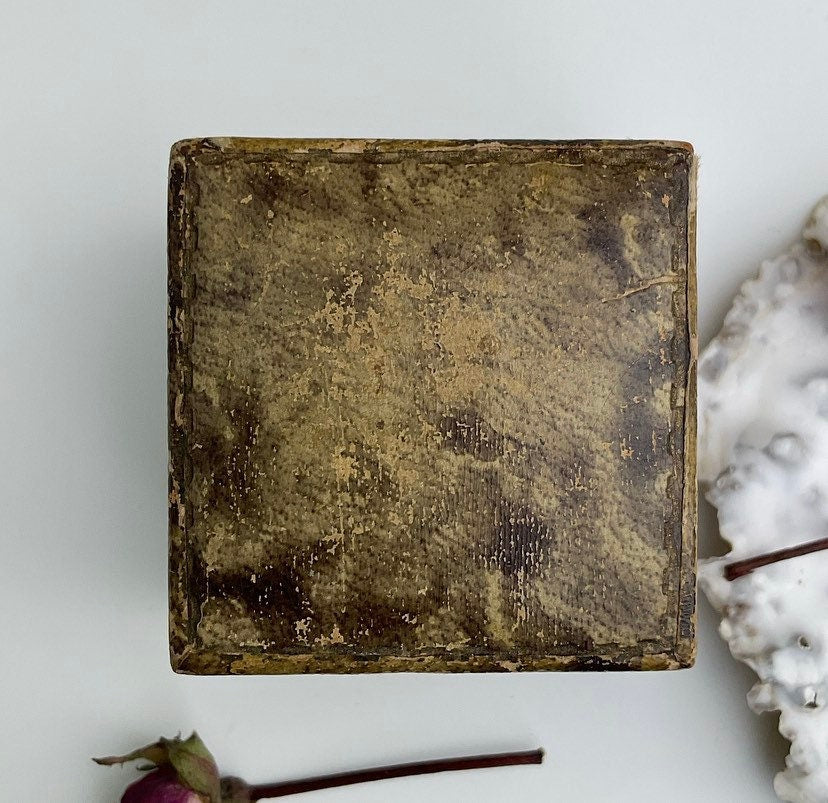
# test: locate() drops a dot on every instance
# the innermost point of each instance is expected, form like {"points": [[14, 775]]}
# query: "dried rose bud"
{"points": [[183, 771], [160, 786]]}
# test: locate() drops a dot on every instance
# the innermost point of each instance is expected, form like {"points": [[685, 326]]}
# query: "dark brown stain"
{"points": [[521, 538], [228, 454], [275, 600], [288, 189], [605, 238], [466, 432]]}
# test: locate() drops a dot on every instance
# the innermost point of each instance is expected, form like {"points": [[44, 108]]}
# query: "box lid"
{"points": [[431, 405]]}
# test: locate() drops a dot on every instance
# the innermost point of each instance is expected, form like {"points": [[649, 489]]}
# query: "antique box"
{"points": [[431, 405]]}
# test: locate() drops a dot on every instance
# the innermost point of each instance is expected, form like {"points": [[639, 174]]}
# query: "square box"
{"points": [[431, 405]]}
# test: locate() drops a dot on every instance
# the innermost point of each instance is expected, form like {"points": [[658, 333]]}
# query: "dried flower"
{"points": [[183, 771]]}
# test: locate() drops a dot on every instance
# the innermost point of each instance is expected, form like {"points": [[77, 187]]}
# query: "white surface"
{"points": [[92, 94], [763, 456]]}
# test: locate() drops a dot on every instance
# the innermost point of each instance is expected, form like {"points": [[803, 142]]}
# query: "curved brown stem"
{"points": [[265, 791], [740, 568]]}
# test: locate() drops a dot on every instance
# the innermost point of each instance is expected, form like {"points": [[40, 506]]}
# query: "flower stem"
{"points": [[265, 791], [740, 568]]}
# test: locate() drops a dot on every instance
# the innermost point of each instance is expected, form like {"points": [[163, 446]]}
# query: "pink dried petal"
{"points": [[160, 786]]}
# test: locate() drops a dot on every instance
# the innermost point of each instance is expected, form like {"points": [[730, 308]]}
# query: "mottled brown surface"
{"points": [[431, 405]]}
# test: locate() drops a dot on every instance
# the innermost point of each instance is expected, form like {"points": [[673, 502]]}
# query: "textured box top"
{"points": [[431, 405]]}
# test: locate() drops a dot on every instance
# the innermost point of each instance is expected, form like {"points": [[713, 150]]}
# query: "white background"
{"points": [[92, 94]]}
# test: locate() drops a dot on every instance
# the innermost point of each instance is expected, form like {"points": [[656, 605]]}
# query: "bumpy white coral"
{"points": [[763, 457]]}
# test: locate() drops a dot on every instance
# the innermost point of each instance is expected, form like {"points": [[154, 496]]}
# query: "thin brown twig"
{"points": [[265, 791], [740, 568]]}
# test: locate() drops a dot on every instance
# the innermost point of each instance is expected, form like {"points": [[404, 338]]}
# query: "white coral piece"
{"points": [[763, 457]]}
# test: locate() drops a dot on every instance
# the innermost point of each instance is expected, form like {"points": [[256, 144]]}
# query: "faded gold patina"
{"points": [[432, 405]]}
